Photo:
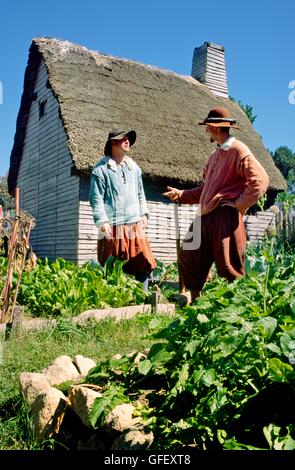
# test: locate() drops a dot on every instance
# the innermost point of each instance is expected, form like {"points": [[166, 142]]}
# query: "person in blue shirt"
{"points": [[119, 207]]}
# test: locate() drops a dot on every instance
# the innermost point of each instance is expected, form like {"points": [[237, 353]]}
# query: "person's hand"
{"points": [[173, 193], [106, 230], [211, 205], [144, 221]]}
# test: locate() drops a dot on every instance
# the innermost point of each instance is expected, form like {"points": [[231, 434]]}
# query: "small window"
{"points": [[42, 105]]}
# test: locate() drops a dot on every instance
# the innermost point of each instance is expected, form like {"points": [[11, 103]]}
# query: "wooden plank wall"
{"points": [[215, 76], [208, 67], [258, 225], [161, 228], [199, 63], [285, 223], [48, 191], [87, 231]]}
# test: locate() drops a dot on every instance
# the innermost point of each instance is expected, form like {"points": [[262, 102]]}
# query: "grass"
{"points": [[32, 351]]}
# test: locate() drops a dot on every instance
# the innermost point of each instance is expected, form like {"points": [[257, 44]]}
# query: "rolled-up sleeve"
{"points": [[256, 183], [96, 199], [191, 196]]}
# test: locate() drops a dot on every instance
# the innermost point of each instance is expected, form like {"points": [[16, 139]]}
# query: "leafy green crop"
{"points": [[221, 374], [63, 288]]}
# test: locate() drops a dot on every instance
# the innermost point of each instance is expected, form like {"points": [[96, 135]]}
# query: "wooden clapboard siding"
{"points": [[257, 226], [87, 230], [48, 190], [161, 227]]}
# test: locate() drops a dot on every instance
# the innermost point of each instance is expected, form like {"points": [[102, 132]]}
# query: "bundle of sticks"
{"points": [[16, 229]]}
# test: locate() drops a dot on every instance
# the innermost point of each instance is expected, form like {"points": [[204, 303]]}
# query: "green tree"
{"points": [[247, 108], [284, 159]]}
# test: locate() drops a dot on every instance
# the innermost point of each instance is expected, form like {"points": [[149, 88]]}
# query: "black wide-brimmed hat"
{"points": [[219, 117], [118, 134]]}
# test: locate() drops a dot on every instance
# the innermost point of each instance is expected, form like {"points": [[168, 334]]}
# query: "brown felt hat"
{"points": [[219, 117]]}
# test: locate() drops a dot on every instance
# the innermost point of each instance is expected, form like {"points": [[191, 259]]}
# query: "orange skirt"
{"points": [[129, 242]]}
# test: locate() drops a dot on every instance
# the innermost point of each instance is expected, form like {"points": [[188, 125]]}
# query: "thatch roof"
{"points": [[98, 92]]}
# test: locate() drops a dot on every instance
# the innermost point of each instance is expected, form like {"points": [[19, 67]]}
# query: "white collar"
{"points": [[113, 165], [227, 143]]}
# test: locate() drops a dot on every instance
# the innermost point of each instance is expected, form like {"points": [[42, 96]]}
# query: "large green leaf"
{"points": [[161, 358], [277, 438], [103, 405], [209, 376], [145, 366], [267, 326], [183, 375], [287, 343], [191, 347], [231, 314], [280, 371]]}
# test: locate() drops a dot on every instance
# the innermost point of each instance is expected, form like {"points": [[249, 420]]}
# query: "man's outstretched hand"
{"points": [[174, 194]]}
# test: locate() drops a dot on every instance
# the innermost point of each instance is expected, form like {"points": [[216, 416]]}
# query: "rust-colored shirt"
{"points": [[232, 173]]}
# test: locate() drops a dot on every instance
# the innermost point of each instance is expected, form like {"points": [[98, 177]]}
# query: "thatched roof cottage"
{"points": [[72, 97]]}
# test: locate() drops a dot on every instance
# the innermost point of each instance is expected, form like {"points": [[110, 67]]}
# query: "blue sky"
{"points": [[258, 37]]}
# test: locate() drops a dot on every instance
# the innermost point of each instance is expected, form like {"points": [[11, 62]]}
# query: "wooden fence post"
{"points": [[14, 325]]}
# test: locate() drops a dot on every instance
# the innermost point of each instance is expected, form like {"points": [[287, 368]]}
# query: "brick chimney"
{"points": [[208, 67]]}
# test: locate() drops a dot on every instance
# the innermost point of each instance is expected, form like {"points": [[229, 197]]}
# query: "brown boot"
{"points": [[182, 299], [186, 298]]}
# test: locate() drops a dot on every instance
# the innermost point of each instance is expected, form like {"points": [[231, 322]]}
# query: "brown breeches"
{"points": [[128, 243], [223, 240]]}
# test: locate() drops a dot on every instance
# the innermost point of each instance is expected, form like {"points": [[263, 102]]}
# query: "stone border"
{"points": [[120, 313]]}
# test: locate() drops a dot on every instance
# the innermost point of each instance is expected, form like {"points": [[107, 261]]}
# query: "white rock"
{"points": [[82, 399], [83, 364], [133, 439], [120, 418], [47, 408], [32, 384], [61, 371], [117, 356]]}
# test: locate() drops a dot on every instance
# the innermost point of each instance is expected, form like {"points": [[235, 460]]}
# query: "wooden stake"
{"points": [[178, 247], [17, 202]]}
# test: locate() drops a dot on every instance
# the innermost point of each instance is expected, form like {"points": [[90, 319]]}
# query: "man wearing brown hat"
{"points": [[119, 207], [233, 181]]}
